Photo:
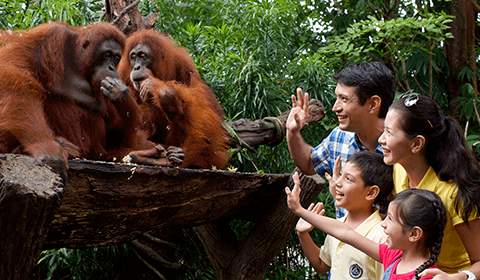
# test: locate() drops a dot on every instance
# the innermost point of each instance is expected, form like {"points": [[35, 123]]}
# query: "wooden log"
{"points": [[29, 195], [269, 131], [106, 203], [250, 258]]}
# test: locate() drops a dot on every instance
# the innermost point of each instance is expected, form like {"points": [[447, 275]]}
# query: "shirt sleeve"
{"points": [[337, 143], [325, 251], [381, 252], [320, 156], [450, 206], [388, 256]]}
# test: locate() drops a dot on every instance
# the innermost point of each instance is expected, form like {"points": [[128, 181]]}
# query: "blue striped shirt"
{"points": [[338, 142]]}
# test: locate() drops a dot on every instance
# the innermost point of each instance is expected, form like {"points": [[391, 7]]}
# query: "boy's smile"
{"points": [[338, 195], [349, 187]]}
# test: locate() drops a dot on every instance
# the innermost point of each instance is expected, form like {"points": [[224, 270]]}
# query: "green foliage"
{"points": [[397, 38], [94, 263], [412, 46], [291, 262], [18, 14], [192, 255], [467, 105], [246, 51]]}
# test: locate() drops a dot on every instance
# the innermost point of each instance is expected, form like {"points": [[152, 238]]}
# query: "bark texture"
{"points": [[29, 195]]}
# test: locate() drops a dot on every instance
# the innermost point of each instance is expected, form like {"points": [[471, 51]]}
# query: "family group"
{"points": [[405, 183]]}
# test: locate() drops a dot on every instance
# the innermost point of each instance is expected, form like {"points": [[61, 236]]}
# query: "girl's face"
{"points": [[397, 148], [397, 236]]}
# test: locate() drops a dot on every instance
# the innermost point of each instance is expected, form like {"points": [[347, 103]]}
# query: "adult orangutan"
{"points": [[178, 108], [60, 95]]}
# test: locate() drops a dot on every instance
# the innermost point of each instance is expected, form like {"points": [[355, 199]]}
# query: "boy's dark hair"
{"points": [[369, 79], [374, 171]]}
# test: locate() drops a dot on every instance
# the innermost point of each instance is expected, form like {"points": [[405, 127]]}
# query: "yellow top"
{"points": [[345, 261], [453, 256]]}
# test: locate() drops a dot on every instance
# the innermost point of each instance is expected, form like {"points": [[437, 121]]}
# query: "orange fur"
{"points": [[33, 117], [196, 125]]}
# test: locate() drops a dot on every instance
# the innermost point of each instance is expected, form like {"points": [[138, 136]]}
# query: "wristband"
{"points": [[470, 275]]}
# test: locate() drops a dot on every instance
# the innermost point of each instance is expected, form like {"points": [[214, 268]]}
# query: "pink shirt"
{"points": [[388, 256]]}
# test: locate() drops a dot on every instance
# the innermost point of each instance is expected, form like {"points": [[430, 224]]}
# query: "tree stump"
{"points": [[30, 193]]}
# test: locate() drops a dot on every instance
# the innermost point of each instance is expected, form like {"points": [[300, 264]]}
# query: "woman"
{"points": [[432, 154]]}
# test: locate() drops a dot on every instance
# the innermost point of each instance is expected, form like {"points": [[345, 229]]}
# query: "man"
{"points": [[364, 92]]}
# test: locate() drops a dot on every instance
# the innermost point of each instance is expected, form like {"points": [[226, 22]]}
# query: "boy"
{"points": [[364, 180]]}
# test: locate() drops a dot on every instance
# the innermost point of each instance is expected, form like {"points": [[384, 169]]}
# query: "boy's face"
{"points": [[350, 189], [348, 109]]}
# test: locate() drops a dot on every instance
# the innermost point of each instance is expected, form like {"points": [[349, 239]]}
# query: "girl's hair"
{"points": [[446, 149], [374, 171], [424, 209]]}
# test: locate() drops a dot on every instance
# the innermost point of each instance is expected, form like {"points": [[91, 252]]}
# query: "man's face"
{"points": [[349, 112]]}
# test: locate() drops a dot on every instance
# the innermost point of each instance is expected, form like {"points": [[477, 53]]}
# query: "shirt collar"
{"points": [[363, 148], [365, 227]]}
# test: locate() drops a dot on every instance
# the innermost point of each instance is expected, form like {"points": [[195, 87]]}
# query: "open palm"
{"points": [[299, 112], [304, 226]]}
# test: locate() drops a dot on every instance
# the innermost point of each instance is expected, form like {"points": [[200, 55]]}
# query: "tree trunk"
{"points": [[30, 193], [472, 11], [107, 203], [250, 258], [126, 16], [457, 50]]}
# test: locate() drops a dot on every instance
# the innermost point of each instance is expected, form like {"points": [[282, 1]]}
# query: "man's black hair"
{"points": [[369, 79]]}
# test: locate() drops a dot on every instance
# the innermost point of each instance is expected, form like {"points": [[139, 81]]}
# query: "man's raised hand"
{"points": [[299, 113]]}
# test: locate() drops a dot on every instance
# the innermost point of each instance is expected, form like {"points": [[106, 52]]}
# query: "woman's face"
{"points": [[397, 148]]}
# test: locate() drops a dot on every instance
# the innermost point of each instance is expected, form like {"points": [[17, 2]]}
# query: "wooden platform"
{"points": [[106, 203]]}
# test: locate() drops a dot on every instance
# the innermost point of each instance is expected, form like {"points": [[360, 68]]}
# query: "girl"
{"points": [[414, 226], [432, 154]]}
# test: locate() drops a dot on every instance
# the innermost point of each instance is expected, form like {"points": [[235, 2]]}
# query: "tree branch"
{"points": [[125, 11], [475, 6]]}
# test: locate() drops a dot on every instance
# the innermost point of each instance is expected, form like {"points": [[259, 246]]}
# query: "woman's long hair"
{"points": [[446, 149]]}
